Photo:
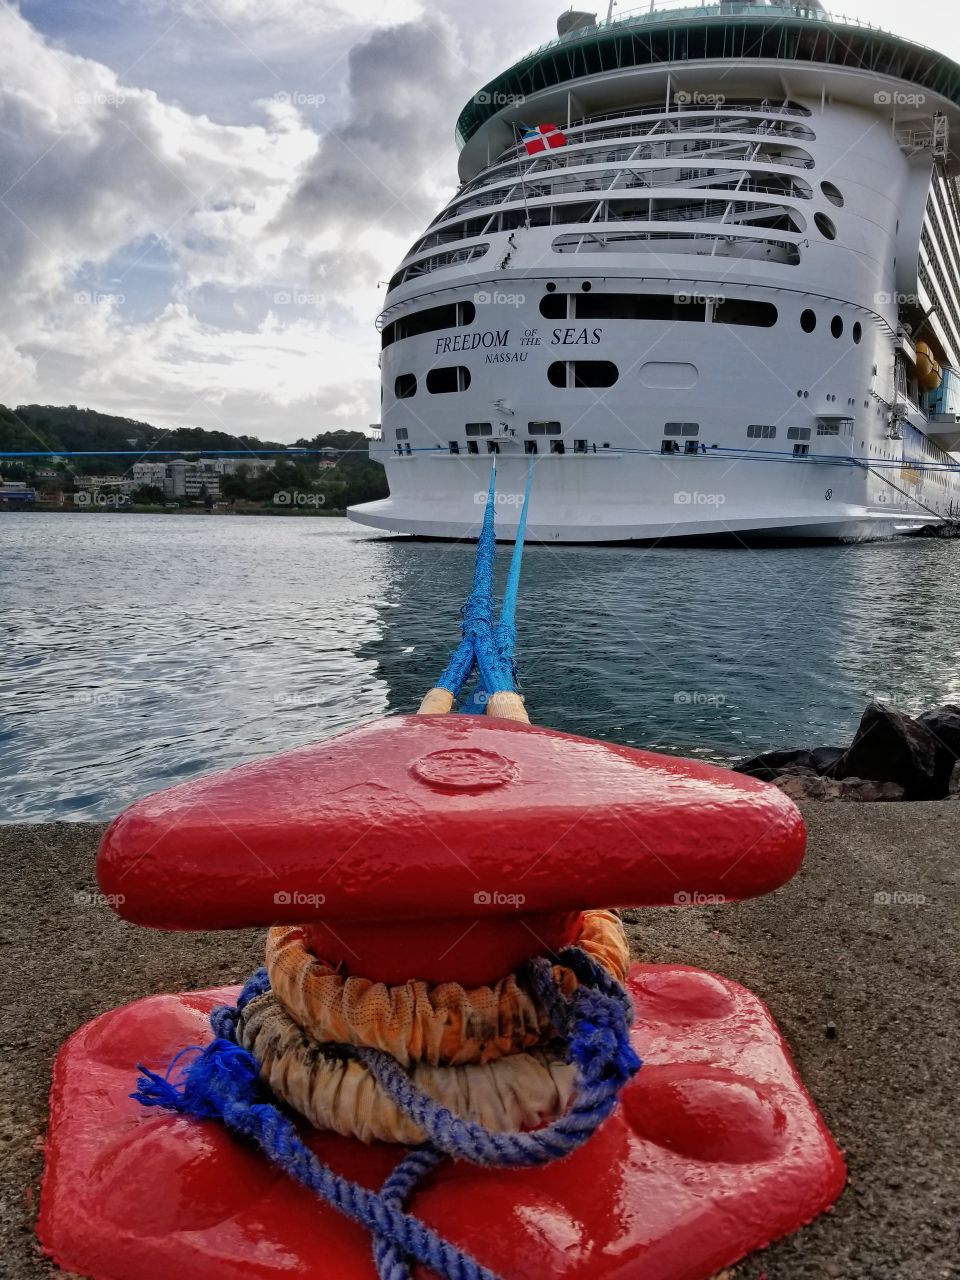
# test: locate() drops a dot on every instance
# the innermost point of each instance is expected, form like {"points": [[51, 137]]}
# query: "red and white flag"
{"points": [[543, 137]]}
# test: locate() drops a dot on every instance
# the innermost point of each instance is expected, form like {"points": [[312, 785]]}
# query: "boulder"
{"points": [[954, 788], [824, 759], [944, 724], [771, 764], [892, 747], [803, 787], [869, 792]]}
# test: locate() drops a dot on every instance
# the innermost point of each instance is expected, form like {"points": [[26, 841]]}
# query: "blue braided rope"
{"points": [[478, 610], [223, 1082]]}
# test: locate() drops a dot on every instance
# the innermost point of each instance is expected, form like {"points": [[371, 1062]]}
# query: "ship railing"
{"points": [[718, 120], [676, 11]]}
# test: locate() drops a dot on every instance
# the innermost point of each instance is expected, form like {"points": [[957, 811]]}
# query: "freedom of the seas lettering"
{"points": [[494, 340]]}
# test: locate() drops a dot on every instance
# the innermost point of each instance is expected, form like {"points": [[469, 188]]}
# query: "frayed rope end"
{"points": [[221, 1074]]}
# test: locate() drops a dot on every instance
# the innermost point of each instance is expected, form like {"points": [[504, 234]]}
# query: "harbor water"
{"points": [[140, 651]]}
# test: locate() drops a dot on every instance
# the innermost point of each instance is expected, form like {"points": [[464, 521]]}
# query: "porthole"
{"points": [[836, 326], [833, 194], [824, 225], [551, 287], [857, 332], [405, 386], [808, 321], [586, 286]]}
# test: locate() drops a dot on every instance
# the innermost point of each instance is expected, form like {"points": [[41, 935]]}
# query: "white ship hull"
{"points": [[690, 320]]}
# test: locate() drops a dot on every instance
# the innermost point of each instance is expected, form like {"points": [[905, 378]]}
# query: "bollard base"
{"points": [[715, 1150]]}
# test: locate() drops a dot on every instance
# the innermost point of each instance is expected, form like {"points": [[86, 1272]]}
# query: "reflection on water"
{"points": [[141, 650]]}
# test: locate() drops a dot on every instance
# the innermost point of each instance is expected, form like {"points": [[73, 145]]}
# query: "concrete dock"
{"points": [[858, 958]]}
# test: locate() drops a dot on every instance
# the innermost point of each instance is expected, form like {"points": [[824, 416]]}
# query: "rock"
{"points": [[868, 791], [892, 747], [944, 724], [771, 764], [800, 787], [954, 788], [824, 759]]}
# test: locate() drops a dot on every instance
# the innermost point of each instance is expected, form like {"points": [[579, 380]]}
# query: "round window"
{"points": [[808, 321], [833, 194], [836, 326], [857, 332], [825, 226]]}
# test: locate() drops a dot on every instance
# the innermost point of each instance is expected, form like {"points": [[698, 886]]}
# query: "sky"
{"points": [[200, 200]]}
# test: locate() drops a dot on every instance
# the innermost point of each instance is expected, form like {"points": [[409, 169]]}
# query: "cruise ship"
{"points": [[702, 274]]}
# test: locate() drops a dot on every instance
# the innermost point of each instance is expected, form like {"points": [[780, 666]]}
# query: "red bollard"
{"points": [[448, 848]]}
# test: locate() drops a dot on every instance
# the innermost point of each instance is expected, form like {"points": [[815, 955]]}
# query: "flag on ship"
{"points": [[543, 137]]}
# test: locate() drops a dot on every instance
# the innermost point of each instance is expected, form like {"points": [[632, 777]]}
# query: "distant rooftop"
{"points": [[671, 31]]}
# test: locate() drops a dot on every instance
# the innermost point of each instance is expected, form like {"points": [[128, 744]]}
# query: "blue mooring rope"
{"points": [[223, 1082], [488, 648]]}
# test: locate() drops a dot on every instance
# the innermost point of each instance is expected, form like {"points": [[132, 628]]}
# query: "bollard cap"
{"points": [[446, 818]]}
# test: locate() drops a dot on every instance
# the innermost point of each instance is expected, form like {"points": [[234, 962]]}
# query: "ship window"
{"points": [[405, 386], [451, 316], [857, 332], [402, 433], [447, 378], [825, 226], [798, 433], [583, 373], [479, 428], [836, 326], [543, 428], [762, 315], [472, 446], [761, 431], [833, 194], [454, 446], [828, 428], [801, 450], [681, 429], [808, 321], [529, 446], [579, 446], [493, 446], [691, 446], [557, 446], [554, 306]]}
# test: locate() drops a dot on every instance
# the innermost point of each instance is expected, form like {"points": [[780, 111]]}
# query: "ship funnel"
{"points": [[574, 20]]}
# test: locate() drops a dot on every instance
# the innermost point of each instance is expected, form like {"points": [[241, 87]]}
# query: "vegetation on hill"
{"points": [[353, 478]]}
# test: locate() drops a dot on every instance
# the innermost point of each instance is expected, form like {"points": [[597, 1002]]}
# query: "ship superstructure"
{"points": [[727, 304]]}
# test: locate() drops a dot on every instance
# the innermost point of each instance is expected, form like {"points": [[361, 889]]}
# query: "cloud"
{"points": [[165, 265]]}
